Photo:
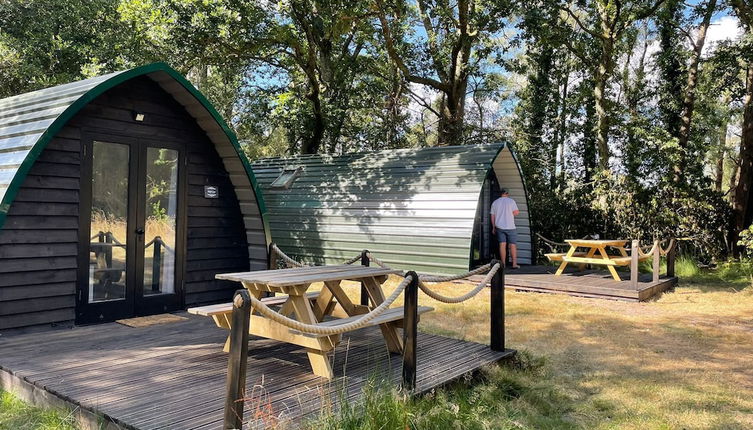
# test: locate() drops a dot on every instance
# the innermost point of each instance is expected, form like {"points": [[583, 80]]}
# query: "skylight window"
{"points": [[286, 178]]}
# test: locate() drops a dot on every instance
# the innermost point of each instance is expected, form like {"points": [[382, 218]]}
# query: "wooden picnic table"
{"points": [[590, 257], [312, 308]]}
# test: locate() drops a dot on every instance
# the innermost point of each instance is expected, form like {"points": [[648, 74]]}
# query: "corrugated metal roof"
{"points": [[29, 121], [413, 208]]}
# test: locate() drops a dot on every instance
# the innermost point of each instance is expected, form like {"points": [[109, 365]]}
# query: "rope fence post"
{"points": [[410, 332], [497, 311], [671, 254], [656, 263], [237, 360], [634, 251], [365, 261]]}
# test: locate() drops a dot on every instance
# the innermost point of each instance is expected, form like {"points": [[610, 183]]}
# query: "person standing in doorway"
{"points": [[504, 210]]}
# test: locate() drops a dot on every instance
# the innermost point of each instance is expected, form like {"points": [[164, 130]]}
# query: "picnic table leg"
{"points": [[605, 256], [590, 254], [324, 303], [318, 358], [569, 254], [226, 321], [389, 331]]}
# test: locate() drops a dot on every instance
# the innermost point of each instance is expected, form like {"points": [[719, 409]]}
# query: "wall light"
{"points": [[138, 116]]}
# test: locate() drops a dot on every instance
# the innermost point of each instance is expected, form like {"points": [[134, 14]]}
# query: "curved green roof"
{"points": [[29, 121]]}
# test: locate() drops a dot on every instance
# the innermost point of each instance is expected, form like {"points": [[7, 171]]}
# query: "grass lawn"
{"points": [[16, 415], [684, 361]]}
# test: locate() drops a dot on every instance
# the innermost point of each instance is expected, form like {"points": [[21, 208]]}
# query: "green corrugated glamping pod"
{"points": [[416, 209]]}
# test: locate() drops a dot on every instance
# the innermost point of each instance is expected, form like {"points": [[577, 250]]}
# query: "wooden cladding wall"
{"points": [[38, 243]]}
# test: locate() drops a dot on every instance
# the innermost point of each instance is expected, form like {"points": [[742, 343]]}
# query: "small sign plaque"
{"points": [[211, 192]]}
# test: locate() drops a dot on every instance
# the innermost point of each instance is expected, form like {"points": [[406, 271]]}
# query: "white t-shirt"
{"points": [[502, 209]]}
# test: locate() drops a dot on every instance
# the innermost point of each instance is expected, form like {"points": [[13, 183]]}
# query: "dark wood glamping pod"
{"points": [[121, 195]]}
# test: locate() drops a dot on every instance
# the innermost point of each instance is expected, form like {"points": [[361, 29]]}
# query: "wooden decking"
{"points": [[589, 283], [172, 376]]}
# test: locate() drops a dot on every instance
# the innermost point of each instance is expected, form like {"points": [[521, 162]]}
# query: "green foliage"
{"points": [[16, 415], [746, 240]]}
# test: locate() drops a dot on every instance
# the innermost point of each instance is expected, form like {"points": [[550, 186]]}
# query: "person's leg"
{"points": [[512, 239], [502, 239]]}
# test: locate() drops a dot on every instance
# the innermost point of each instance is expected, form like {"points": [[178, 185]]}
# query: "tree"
{"points": [[51, 42], [742, 204], [688, 102], [457, 39], [611, 19]]}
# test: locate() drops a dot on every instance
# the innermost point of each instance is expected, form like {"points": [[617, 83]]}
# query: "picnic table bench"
{"points": [[329, 307], [596, 255]]}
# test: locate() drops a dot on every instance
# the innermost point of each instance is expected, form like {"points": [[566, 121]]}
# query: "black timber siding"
{"points": [[38, 243]]}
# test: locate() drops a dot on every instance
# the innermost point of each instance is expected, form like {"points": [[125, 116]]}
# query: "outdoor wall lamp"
{"points": [[138, 116]]}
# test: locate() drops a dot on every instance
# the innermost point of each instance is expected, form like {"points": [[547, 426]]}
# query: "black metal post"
{"points": [[156, 263], [497, 311], [410, 332], [237, 360], [364, 262], [108, 250]]}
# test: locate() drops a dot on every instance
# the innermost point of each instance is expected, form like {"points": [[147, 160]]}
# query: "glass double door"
{"points": [[130, 259]]}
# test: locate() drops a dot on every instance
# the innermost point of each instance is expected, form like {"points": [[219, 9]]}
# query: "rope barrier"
{"points": [[353, 260], [263, 309], [444, 299], [422, 278]]}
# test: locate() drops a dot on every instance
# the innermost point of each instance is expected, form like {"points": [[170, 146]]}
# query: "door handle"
{"points": [[140, 231]]}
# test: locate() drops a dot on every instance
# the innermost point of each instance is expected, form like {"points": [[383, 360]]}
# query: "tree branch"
{"points": [[390, 44]]}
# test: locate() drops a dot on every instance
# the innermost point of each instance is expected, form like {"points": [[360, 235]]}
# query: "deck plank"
{"points": [[173, 375]]}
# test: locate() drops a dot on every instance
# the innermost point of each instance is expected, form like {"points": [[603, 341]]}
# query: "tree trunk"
{"points": [[603, 71], [452, 121], [313, 142], [722, 142], [688, 102], [589, 142], [670, 67], [562, 125], [745, 181]]}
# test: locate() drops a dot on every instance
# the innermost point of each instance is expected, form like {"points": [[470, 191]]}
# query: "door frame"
{"points": [[135, 303], [150, 305]]}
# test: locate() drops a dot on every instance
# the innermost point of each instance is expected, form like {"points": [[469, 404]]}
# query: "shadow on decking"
{"points": [[173, 375]]}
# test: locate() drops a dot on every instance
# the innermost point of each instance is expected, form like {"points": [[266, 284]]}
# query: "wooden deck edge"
{"points": [[571, 293], [34, 395], [504, 355], [641, 295], [655, 290]]}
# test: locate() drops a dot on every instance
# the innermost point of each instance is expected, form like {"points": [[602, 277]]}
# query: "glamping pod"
{"points": [[121, 195], [419, 209]]}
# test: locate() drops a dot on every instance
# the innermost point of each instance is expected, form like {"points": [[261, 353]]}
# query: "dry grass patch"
{"points": [[683, 361]]}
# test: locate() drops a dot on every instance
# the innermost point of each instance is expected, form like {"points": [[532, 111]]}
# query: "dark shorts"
{"points": [[509, 236]]}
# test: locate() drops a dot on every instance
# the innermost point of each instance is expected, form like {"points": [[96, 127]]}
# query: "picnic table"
{"points": [[312, 307], [590, 256]]}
